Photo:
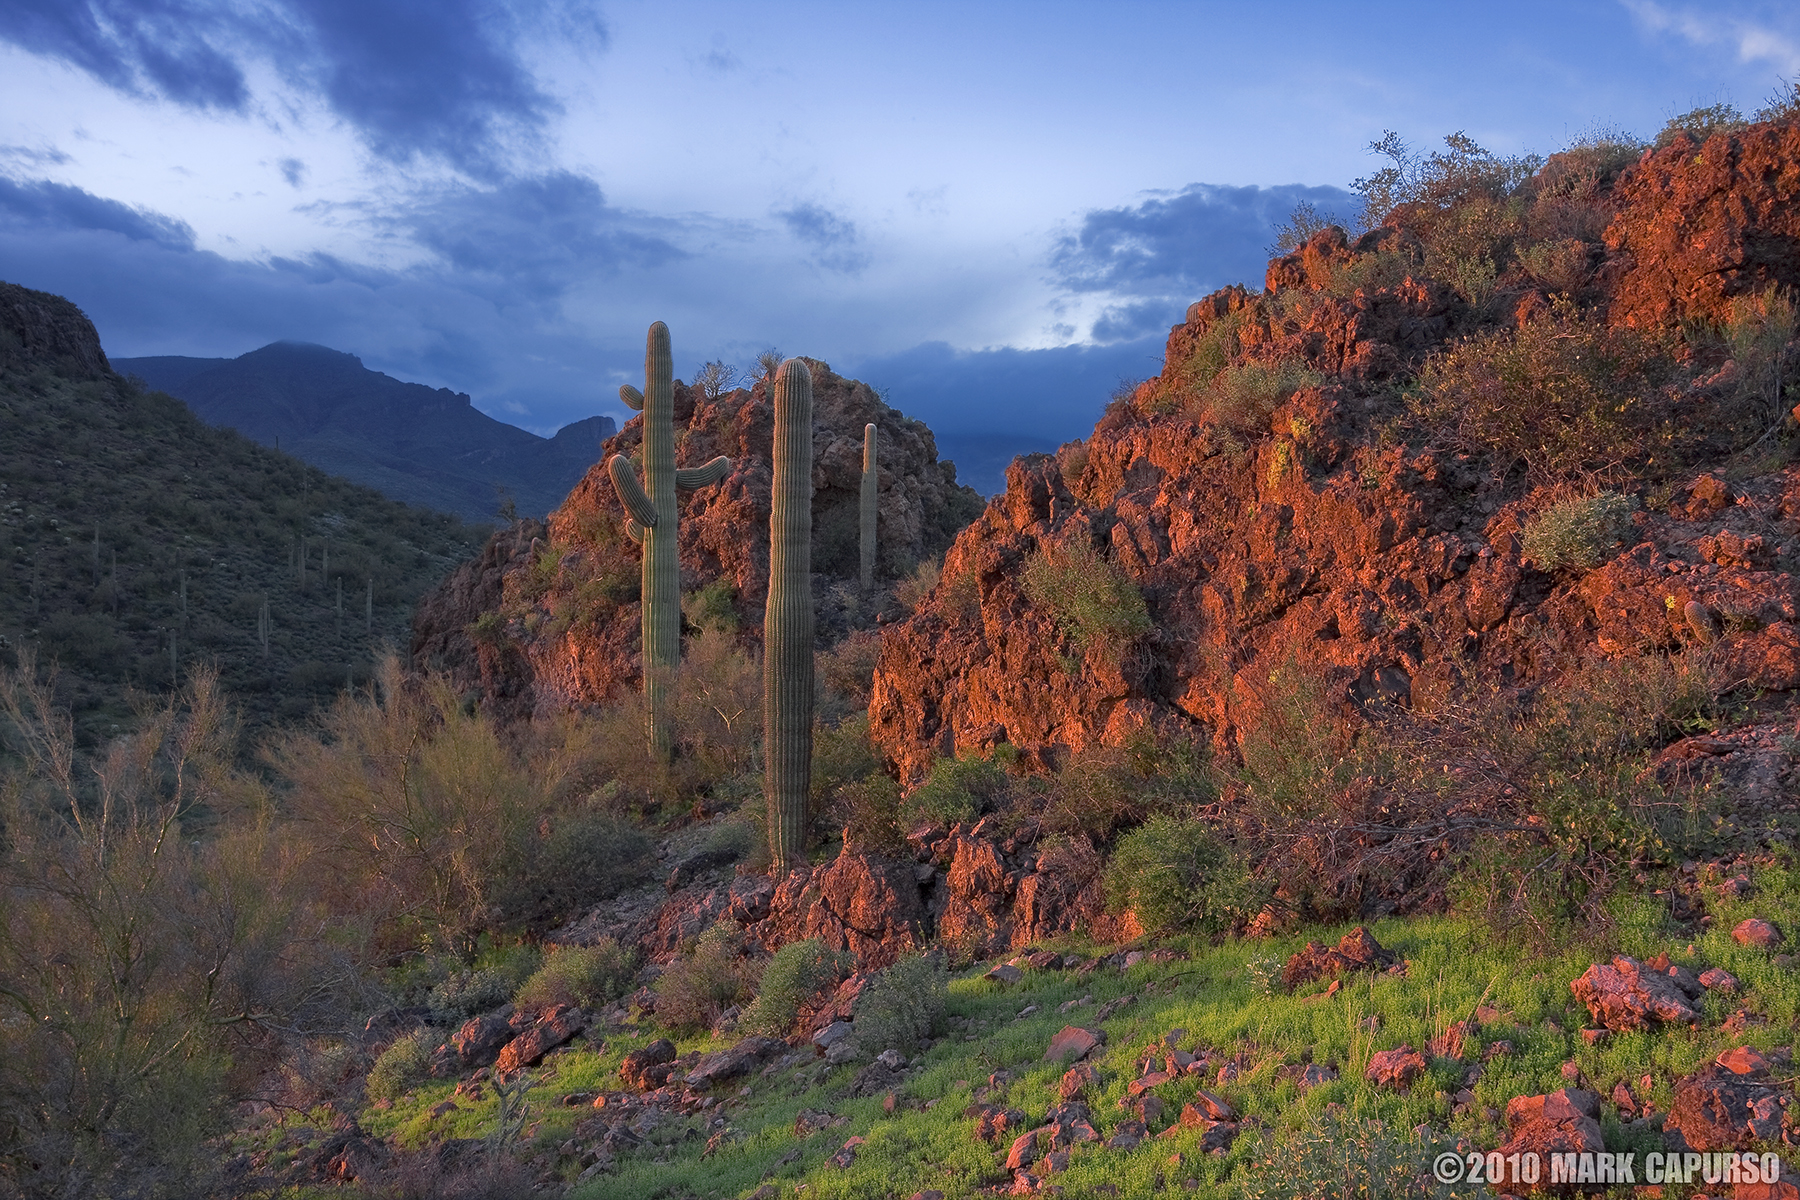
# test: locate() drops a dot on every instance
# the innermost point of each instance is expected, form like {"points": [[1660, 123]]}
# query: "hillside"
{"points": [[140, 541], [429, 448], [558, 604]]}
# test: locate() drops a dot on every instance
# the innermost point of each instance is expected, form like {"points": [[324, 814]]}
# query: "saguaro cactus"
{"points": [[868, 507], [652, 523], [788, 621]]}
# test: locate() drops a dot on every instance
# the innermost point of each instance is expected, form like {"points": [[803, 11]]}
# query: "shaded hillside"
{"points": [[549, 617], [138, 540], [1540, 412], [426, 447]]}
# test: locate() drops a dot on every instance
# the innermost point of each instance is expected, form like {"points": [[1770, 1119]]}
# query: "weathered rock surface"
{"points": [[1395, 1068], [1356, 951], [1627, 994], [1562, 1122], [554, 1028], [1073, 1043], [1720, 1108]]}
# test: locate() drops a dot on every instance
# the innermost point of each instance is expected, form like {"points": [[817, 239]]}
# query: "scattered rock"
{"points": [[1449, 1044], [992, 1121], [1004, 973], [1315, 1074], [1719, 1108], [847, 1154], [1757, 932], [742, 1058], [833, 1033], [1024, 1150], [1356, 951], [1717, 979], [1395, 1068], [479, 1039], [636, 1063], [1077, 1080], [1628, 995], [1127, 1135], [551, 1030], [1744, 1061], [1073, 1043], [1560, 1122]]}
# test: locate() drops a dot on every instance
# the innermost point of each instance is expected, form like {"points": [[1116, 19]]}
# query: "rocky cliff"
{"points": [[1288, 491], [547, 617]]}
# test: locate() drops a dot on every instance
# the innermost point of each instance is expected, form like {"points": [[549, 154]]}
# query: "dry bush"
{"points": [[1578, 534], [145, 943], [698, 987]]}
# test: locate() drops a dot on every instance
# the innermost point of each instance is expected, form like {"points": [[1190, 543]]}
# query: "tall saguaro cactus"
{"points": [[868, 507], [652, 523], [788, 620]]}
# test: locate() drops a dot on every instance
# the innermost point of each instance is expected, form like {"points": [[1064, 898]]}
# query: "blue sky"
{"points": [[993, 211]]}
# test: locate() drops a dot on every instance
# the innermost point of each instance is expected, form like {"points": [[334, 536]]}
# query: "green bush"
{"points": [[468, 993], [1345, 1158], [902, 1005], [798, 974], [401, 1066], [1702, 123], [1173, 873], [868, 811], [1578, 534], [697, 988], [1242, 396], [1091, 600], [584, 976], [958, 789]]}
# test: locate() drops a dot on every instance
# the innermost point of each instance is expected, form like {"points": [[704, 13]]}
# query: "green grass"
{"points": [[1214, 994]]}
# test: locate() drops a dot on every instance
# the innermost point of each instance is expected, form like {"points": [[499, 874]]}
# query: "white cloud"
{"points": [[1752, 41]]}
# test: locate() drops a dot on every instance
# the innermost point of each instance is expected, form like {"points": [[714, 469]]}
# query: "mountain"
{"points": [[137, 541], [427, 447]]}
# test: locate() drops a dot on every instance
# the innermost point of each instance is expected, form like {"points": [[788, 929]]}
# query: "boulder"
{"points": [[1356, 951], [1757, 932], [746, 1056], [1077, 1081], [1561, 1122], [1626, 994], [1072, 1043], [1721, 1108], [555, 1028], [1717, 979], [478, 1040], [636, 1063], [1395, 1068]]}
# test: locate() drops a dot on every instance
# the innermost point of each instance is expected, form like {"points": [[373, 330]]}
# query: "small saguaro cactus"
{"points": [[788, 621], [652, 523], [868, 507]]}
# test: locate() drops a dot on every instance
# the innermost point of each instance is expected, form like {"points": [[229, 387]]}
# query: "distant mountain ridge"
{"points": [[426, 446]]}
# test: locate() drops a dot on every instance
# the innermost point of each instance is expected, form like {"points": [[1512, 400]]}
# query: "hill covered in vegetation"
{"points": [[426, 447], [139, 541]]}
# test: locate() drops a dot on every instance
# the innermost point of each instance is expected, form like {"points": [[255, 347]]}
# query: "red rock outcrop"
{"points": [[547, 618]]}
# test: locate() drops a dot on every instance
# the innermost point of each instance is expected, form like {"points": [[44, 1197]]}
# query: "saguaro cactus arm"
{"points": [[689, 478], [633, 398], [634, 531], [631, 493], [869, 502]]}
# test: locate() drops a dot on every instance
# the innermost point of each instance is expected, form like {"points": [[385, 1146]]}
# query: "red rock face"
{"points": [[564, 628], [1699, 223]]}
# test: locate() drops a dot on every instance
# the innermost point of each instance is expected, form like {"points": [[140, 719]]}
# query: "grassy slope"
{"points": [[172, 495], [1215, 996]]}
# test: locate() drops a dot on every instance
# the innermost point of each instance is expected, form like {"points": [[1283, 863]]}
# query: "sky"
{"points": [[991, 212]]}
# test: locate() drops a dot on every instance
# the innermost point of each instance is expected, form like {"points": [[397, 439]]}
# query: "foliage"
{"points": [[1443, 179], [149, 940], [710, 608], [1758, 334], [958, 789], [912, 590], [1092, 601], [404, 1064], [700, 985], [1784, 103], [1243, 395], [1346, 1158], [715, 379], [1173, 873], [798, 974], [1302, 223], [1563, 397], [569, 862], [867, 811], [1701, 123], [901, 1005], [583, 976], [1578, 534]]}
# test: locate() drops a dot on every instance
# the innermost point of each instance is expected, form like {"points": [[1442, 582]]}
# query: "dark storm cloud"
{"points": [[834, 237], [1159, 255], [46, 205], [537, 234], [441, 79]]}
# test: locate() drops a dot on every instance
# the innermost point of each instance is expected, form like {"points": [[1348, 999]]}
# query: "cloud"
{"points": [[1751, 41], [1147, 261], [47, 157], [44, 205], [294, 171], [445, 81], [537, 235], [835, 237]]}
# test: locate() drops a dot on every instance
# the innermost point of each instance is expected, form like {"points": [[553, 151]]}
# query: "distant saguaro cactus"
{"points": [[788, 621], [868, 507], [652, 523]]}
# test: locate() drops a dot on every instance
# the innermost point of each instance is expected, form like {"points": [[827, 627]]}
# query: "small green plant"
{"points": [[1578, 534], [796, 976], [401, 1066], [584, 976], [912, 590], [1701, 123], [958, 789], [1345, 1158], [470, 992], [698, 987], [1092, 601], [1264, 974], [902, 1005], [1174, 873]]}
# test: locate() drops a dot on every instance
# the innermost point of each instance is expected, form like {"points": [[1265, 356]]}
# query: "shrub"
{"points": [[958, 789], [469, 992], [797, 975], [1173, 873], [1302, 223], [1564, 396], [912, 590], [1091, 600], [1578, 534], [710, 607], [698, 987], [584, 976], [1702, 123], [902, 1005], [568, 865], [867, 811], [1242, 396], [402, 1066], [1345, 1158], [1442, 179]]}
